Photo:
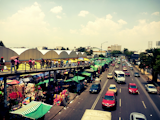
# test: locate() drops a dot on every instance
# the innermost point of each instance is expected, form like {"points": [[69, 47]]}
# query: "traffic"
{"points": [[126, 97]]}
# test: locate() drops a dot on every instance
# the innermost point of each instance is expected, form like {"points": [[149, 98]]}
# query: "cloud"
{"points": [[26, 24], [57, 9], [122, 22], [144, 13], [73, 31], [108, 16], [83, 13], [59, 17], [155, 13]]}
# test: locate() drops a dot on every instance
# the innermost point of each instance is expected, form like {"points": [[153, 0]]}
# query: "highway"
{"points": [[145, 103]]}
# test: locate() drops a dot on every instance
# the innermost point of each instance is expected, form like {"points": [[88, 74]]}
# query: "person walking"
{"points": [[42, 63], [2, 63], [12, 65], [17, 63], [33, 63], [30, 63]]}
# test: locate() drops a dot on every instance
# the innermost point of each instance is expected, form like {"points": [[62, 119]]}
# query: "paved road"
{"points": [[145, 103]]}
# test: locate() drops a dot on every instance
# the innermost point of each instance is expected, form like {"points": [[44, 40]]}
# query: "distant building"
{"points": [[115, 47], [98, 51], [59, 47]]}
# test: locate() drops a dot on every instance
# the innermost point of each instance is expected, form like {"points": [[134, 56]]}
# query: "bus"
{"points": [[119, 76]]}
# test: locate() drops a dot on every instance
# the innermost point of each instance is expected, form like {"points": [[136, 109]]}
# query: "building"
{"points": [[1, 44], [115, 47], [98, 51], [59, 47]]}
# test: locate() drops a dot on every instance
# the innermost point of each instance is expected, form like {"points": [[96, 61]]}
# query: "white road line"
{"points": [[138, 92], [119, 102], [149, 98], [132, 79], [144, 104], [99, 95], [120, 90], [119, 118]]}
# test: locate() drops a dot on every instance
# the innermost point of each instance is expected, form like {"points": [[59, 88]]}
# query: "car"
{"points": [[95, 88], [127, 73], [112, 87], [124, 69], [110, 76], [131, 68], [117, 66], [123, 64], [132, 88], [109, 100], [151, 88], [137, 116], [136, 74]]}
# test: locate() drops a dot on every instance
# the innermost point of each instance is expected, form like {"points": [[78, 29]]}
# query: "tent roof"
{"points": [[33, 110], [75, 78], [19, 50], [44, 51], [86, 74]]}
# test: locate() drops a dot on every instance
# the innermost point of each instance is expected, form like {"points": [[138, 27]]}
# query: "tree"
{"points": [[67, 48], [115, 53], [151, 59]]}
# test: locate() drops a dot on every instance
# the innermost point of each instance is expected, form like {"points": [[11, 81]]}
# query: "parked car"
{"points": [[136, 74], [151, 88], [95, 88], [109, 100], [110, 76], [127, 73], [113, 64], [137, 116], [132, 88], [112, 87], [131, 68]]}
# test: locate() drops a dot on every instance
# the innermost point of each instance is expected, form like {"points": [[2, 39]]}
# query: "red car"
{"points": [[113, 64], [132, 88], [127, 73], [109, 100]]}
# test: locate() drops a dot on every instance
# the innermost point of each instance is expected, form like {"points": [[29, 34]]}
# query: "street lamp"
{"points": [[101, 45]]}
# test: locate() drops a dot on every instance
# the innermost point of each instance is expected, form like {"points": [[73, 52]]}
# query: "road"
{"points": [[145, 103]]}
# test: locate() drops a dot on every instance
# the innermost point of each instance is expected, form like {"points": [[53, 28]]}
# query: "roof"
{"points": [[138, 115], [150, 84], [90, 114], [112, 85], [110, 93], [19, 50], [1, 44], [118, 71], [132, 83]]}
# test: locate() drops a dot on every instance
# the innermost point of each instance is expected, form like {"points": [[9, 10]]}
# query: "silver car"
{"points": [[137, 116]]}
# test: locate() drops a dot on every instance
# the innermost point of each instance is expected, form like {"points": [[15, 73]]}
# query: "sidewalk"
{"points": [[56, 109]]}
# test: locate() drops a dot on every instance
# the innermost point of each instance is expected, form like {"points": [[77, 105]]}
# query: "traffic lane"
{"points": [[151, 111], [84, 101], [154, 97], [115, 113]]}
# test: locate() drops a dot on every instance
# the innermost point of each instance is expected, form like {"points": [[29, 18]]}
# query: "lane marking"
{"points": [[119, 102], [149, 98], [119, 118], [132, 79], [99, 95], [138, 92], [120, 90], [144, 104]]}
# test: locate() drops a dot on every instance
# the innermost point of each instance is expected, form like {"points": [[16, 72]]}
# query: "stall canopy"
{"points": [[45, 81], [86, 74], [33, 110], [89, 70], [76, 79]]}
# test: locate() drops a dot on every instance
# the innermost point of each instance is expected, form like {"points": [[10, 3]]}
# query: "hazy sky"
{"points": [[75, 23]]}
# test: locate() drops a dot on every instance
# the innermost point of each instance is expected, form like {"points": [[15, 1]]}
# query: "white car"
{"points": [[137, 116], [151, 88]]}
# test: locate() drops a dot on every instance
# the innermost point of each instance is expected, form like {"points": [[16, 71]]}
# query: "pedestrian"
{"points": [[42, 63], [47, 63], [33, 63], [12, 65], [56, 63], [17, 63], [30, 63], [2, 63]]}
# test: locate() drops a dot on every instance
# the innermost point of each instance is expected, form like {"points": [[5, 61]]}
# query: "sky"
{"points": [[80, 23]]}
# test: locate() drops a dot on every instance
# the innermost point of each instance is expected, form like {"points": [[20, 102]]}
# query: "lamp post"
{"points": [[101, 45]]}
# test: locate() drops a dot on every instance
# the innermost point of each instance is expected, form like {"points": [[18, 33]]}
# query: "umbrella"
{"points": [[13, 57], [13, 82]]}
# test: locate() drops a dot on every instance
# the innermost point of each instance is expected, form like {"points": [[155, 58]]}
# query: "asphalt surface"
{"points": [[145, 103]]}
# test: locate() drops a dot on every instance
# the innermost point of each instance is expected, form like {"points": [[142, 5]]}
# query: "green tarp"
{"points": [[33, 110], [86, 74], [45, 81], [76, 79]]}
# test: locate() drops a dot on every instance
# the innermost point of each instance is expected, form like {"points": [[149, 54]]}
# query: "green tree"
{"points": [[116, 53]]}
